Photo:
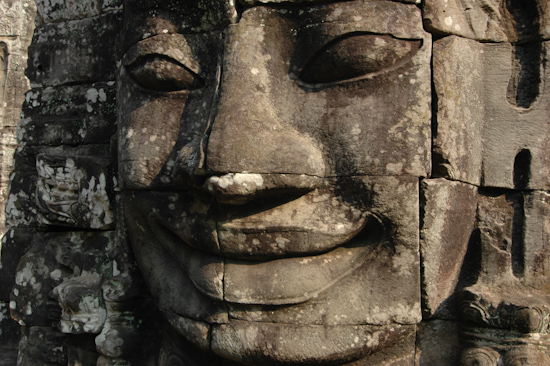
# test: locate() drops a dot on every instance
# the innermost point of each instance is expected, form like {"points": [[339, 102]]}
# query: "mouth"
{"points": [[273, 254]]}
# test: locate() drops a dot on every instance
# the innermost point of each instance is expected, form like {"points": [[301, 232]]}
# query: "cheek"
{"points": [[148, 131], [376, 126]]}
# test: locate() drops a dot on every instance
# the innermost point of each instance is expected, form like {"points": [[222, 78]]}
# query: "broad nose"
{"points": [[253, 131]]}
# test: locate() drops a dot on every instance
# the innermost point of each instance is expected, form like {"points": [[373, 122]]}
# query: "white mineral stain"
{"points": [[379, 42], [448, 21], [91, 95], [116, 272], [394, 168], [102, 95], [55, 275]]}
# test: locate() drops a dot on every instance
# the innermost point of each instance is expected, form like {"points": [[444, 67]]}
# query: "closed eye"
{"points": [[356, 55], [164, 74]]}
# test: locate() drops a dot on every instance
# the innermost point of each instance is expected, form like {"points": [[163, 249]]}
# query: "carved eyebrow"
{"points": [[173, 46]]}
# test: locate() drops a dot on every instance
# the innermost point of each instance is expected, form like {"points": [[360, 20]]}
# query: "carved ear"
{"points": [[355, 55]]}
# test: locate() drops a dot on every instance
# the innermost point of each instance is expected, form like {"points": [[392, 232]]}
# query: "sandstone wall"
{"points": [[16, 29]]}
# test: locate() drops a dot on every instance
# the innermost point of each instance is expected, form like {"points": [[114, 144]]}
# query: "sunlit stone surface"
{"points": [[279, 182]]}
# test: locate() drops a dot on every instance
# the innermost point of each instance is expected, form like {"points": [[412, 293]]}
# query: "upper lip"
{"points": [[275, 216]]}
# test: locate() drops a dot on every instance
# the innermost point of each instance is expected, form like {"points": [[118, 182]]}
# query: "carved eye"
{"points": [[164, 74], [356, 55]]}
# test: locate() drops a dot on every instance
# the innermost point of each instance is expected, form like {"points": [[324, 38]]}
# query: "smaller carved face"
{"points": [[270, 172]]}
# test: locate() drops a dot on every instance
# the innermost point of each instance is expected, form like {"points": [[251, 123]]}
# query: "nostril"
{"points": [[240, 188]]}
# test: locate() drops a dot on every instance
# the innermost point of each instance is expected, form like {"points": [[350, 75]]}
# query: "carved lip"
{"points": [[277, 281]]}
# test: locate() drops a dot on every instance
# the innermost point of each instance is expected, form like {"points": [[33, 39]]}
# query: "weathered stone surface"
{"points": [[505, 113], [275, 160], [81, 302], [536, 238], [297, 344], [506, 307], [75, 191], [516, 113], [69, 115], [9, 336], [457, 146], [16, 27], [359, 97], [144, 19], [51, 11], [151, 157], [397, 266], [448, 214], [16, 18], [14, 244], [173, 240], [93, 208], [437, 343], [492, 20], [283, 175], [79, 51], [53, 258], [42, 346], [20, 208], [163, 154]]}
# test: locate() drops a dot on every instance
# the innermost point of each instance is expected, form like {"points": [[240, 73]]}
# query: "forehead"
{"points": [[146, 18]]}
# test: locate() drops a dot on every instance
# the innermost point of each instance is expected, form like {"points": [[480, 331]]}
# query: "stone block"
{"points": [[15, 243], [167, 253], [146, 19], [69, 115], [315, 344], [330, 123], [511, 291], [449, 213], [42, 346], [437, 343], [514, 239], [53, 258], [10, 332], [457, 146], [387, 264], [69, 186], [492, 132], [20, 206], [490, 21], [17, 17], [536, 240], [352, 105], [75, 191], [516, 147], [79, 51]]}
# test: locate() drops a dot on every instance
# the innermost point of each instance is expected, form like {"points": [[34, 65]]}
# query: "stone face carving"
{"points": [[299, 182], [267, 211]]}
